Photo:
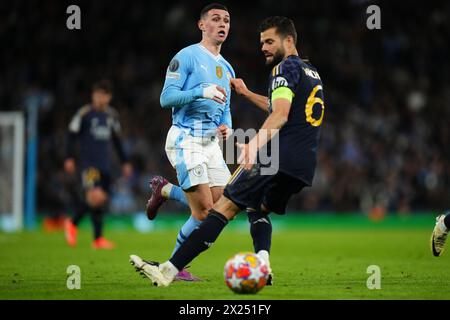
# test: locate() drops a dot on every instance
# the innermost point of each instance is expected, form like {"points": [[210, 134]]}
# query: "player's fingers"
{"points": [[222, 90], [241, 158], [248, 166], [218, 100]]}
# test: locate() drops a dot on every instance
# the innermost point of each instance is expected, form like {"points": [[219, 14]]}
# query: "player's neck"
{"points": [[213, 48], [99, 107], [292, 52]]}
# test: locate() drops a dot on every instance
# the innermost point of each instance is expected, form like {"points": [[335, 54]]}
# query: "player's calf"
{"points": [[200, 201], [200, 239]]}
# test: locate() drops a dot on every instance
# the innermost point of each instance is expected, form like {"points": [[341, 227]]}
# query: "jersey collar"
{"points": [[217, 58]]}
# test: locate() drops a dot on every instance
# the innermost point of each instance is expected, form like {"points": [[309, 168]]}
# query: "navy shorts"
{"points": [[92, 177], [250, 189]]}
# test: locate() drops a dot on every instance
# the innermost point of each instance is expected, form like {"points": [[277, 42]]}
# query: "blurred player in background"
{"points": [[95, 127], [440, 233], [296, 108], [197, 89]]}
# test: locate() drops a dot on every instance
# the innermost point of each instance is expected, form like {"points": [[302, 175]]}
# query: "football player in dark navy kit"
{"points": [[94, 127], [295, 105]]}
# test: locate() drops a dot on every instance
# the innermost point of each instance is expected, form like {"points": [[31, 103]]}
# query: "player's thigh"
{"points": [[280, 190], [188, 158], [218, 172], [96, 197], [200, 200], [226, 207]]}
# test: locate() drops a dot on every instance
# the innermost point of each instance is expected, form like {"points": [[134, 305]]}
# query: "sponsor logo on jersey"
{"points": [[279, 82]]}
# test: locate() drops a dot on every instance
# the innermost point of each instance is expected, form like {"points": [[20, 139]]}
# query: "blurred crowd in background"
{"points": [[386, 134]]}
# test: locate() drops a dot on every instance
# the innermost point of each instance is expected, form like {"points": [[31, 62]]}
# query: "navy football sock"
{"points": [[261, 230], [97, 221], [200, 239], [80, 211]]}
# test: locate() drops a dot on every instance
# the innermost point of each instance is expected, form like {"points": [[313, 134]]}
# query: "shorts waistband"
{"points": [[204, 139]]}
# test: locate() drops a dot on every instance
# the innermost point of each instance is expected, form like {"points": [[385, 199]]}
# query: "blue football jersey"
{"points": [[191, 70]]}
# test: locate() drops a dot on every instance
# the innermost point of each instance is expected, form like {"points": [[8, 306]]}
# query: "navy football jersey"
{"points": [[96, 131], [299, 137]]}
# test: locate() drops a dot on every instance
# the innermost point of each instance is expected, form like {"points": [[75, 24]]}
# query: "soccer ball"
{"points": [[246, 273]]}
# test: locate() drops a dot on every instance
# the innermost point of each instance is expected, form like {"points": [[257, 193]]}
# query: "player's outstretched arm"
{"points": [[258, 100], [173, 97], [174, 94], [69, 162]]}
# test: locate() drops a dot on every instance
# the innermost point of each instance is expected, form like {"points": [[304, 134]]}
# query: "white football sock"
{"points": [[168, 269], [264, 255], [442, 226], [165, 191]]}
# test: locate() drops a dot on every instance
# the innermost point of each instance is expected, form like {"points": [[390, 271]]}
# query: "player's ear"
{"points": [[201, 25], [290, 41]]}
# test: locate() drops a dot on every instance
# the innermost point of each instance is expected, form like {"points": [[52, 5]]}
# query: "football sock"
{"points": [[447, 220], [264, 255], [185, 231], [97, 221], [165, 191], [200, 239], [260, 230], [176, 193], [80, 211], [168, 269]]}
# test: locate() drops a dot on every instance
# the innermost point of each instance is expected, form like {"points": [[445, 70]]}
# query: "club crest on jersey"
{"points": [[198, 171], [219, 72], [279, 82]]}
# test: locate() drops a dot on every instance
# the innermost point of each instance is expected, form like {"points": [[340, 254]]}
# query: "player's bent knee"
{"points": [[96, 198], [201, 214], [226, 207], [265, 209]]}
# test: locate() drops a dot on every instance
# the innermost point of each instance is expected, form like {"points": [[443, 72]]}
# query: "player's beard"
{"points": [[278, 56]]}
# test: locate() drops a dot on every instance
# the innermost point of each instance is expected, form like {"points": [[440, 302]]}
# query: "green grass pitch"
{"points": [[312, 258]]}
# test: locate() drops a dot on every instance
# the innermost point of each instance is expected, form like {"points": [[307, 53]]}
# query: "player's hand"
{"points": [[216, 93], [69, 166], [247, 157], [224, 131], [127, 170], [238, 85]]}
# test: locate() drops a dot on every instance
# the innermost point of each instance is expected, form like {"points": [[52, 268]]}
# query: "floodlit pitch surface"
{"points": [[322, 257]]}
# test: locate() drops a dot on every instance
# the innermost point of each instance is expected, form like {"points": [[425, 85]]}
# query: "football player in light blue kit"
{"points": [[197, 89]]}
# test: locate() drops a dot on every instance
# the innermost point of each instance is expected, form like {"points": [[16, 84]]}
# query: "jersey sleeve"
{"points": [[114, 119], [286, 74], [75, 127], [226, 116], [179, 69], [77, 120]]}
